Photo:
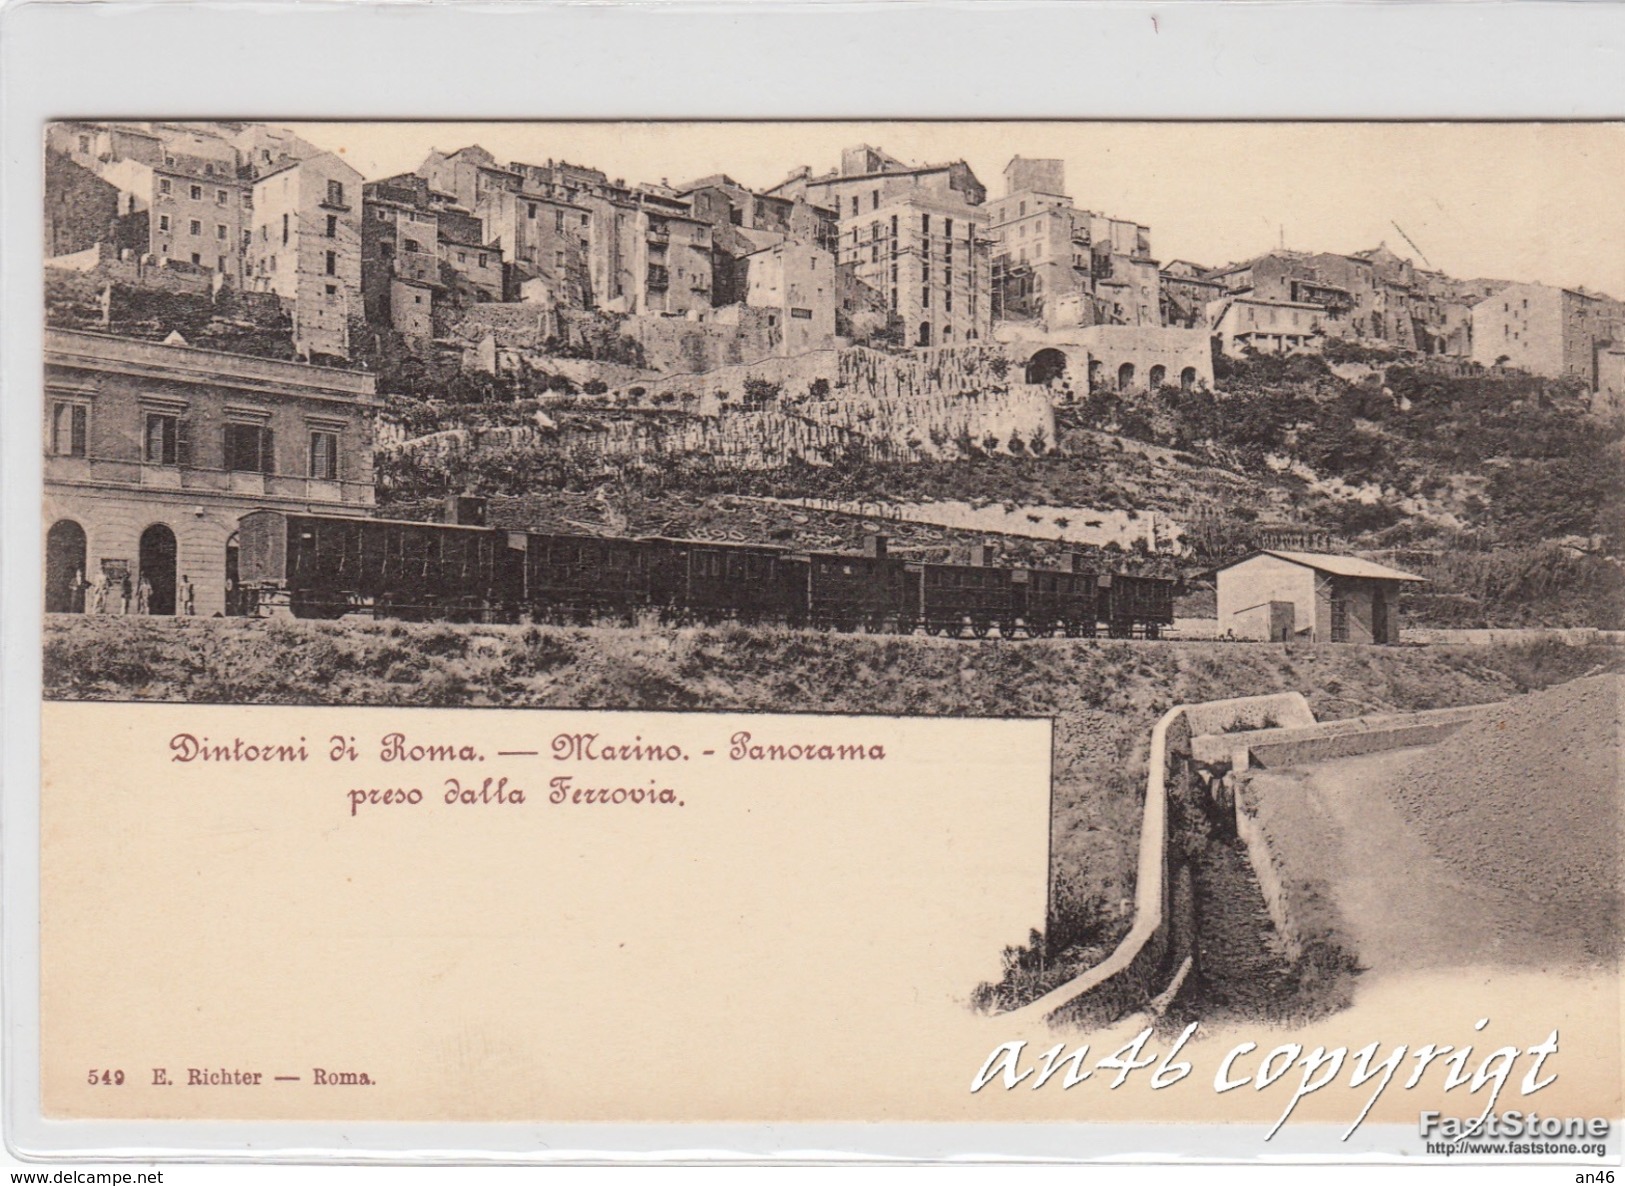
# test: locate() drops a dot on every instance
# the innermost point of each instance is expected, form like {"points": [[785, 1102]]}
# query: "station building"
{"points": [[1311, 596], [155, 449]]}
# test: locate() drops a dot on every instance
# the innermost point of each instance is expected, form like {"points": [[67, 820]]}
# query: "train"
{"points": [[326, 566]]}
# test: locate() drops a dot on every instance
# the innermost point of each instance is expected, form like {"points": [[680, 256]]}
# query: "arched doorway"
{"points": [[1125, 376], [157, 567], [1045, 367], [65, 568], [1157, 377], [1094, 374], [1187, 378]]}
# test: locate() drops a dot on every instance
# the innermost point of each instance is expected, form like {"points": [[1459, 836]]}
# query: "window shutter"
{"points": [[267, 451], [183, 442], [81, 418]]}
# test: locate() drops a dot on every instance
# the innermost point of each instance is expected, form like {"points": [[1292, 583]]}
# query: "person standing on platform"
{"points": [[188, 597], [124, 594]]}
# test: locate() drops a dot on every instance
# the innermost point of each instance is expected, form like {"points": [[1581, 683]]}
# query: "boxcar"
{"points": [[954, 597], [580, 578], [325, 565], [1059, 602], [867, 590], [1132, 605], [713, 581]]}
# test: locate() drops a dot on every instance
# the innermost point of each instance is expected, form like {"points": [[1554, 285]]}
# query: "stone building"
{"points": [[1373, 296], [1557, 333], [796, 283], [1045, 249], [916, 235], [1243, 323], [305, 246], [1311, 596], [154, 450], [80, 207], [180, 194], [464, 251], [400, 255], [744, 222], [1186, 291]]}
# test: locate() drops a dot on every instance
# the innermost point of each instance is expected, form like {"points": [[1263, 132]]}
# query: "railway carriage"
{"points": [[322, 566], [580, 579], [712, 581], [868, 590], [1060, 601], [1133, 606]]}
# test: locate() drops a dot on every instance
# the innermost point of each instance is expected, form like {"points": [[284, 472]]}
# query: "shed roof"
{"points": [[1343, 566]]}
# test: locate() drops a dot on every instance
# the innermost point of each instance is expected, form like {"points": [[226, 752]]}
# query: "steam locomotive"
{"points": [[324, 566]]}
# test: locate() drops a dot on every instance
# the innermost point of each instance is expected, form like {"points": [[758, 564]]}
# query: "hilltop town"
{"points": [[881, 341]]}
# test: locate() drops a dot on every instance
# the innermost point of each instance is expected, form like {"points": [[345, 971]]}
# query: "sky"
{"points": [[1517, 201]]}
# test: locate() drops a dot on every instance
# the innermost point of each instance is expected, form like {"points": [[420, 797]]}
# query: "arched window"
{"points": [[1187, 378], [1125, 376], [1158, 376]]}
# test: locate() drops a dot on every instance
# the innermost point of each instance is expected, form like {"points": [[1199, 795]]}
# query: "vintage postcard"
{"points": [[1101, 624]]}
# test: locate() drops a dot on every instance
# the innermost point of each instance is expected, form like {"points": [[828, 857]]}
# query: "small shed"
{"points": [[1314, 596]]}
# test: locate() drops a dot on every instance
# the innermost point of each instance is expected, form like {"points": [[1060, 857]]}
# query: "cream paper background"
{"points": [[795, 943]]}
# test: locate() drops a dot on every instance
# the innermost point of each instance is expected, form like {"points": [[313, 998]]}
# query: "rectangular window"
{"points": [[332, 226], [163, 185], [221, 197], [925, 224], [220, 231], [68, 429], [335, 193], [284, 229], [163, 222], [221, 267], [248, 448], [332, 263], [482, 259], [948, 227], [163, 439], [324, 456], [854, 203], [197, 193], [925, 298], [195, 227]]}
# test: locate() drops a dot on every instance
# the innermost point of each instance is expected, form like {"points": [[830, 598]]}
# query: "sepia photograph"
{"points": [[1165, 581]]}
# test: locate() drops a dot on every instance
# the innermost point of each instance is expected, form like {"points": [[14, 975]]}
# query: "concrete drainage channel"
{"points": [[1200, 751]]}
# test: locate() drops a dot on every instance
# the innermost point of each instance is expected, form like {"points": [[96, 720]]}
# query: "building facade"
{"points": [[153, 452], [796, 281], [305, 246], [1557, 333], [1046, 253], [1245, 323], [1311, 596]]}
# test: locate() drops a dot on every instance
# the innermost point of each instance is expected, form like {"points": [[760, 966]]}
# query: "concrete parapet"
{"points": [[1129, 977], [1287, 744]]}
